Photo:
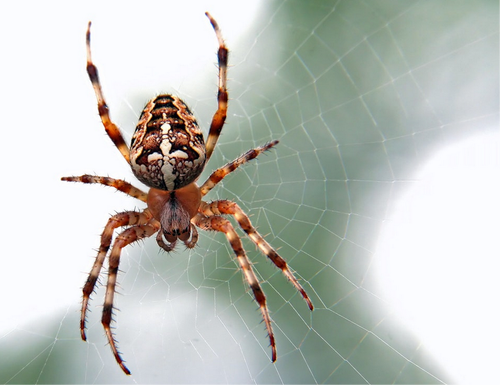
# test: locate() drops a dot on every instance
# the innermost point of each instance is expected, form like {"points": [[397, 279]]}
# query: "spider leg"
{"points": [[118, 184], [217, 223], [222, 97], [111, 129], [127, 218], [125, 238], [228, 168], [231, 208]]}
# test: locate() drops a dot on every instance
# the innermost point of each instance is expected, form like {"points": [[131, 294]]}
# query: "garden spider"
{"points": [[168, 154]]}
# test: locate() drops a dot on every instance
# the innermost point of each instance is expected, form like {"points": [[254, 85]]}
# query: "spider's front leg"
{"points": [[125, 238], [226, 207], [221, 224], [127, 218]]}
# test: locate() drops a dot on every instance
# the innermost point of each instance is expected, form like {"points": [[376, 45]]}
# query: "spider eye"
{"points": [[167, 151]]}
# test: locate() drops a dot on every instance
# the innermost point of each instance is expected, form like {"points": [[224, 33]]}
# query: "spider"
{"points": [[167, 153]]}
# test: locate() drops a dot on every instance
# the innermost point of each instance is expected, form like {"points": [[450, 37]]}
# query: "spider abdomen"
{"points": [[167, 150]]}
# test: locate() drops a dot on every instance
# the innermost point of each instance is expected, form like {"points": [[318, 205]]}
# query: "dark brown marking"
{"points": [[167, 122]]}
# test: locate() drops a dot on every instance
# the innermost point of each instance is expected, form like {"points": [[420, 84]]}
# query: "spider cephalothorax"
{"points": [[168, 154], [174, 210]]}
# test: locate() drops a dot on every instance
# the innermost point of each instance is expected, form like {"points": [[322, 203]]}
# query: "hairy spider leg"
{"points": [[111, 129], [222, 97], [218, 223], [225, 207], [127, 218], [228, 168], [125, 238], [118, 184]]}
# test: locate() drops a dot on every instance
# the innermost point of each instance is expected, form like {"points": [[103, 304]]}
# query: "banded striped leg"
{"points": [[223, 207], [125, 238], [128, 218], [222, 172], [111, 129], [221, 224], [118, 184], [222, 97]]}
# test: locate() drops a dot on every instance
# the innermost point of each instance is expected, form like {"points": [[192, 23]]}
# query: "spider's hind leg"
{"points": [[111, 129], [222, 96]]}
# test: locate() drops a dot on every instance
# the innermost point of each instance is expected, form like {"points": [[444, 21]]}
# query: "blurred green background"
{"points": [[361, 94]]}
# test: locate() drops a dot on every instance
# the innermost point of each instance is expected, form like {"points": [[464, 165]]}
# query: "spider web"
{"points": [[380, 196]]}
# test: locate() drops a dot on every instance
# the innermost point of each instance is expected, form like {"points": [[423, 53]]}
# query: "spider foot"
{"points": [[106, 321], [82, 331], [116, 353], [273, 348], [267, 321], [83, 318]]}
